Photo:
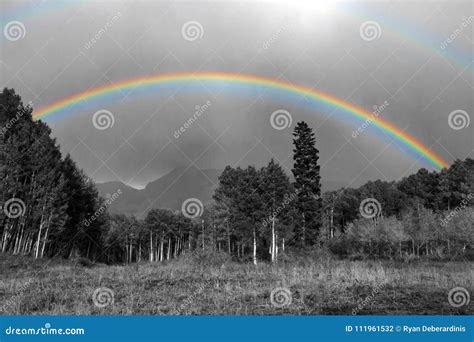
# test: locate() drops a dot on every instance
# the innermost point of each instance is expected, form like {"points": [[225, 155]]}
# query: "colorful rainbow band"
{"points": [[358, 112]]}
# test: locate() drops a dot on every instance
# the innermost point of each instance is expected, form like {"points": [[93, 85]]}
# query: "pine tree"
{"points": [[307, 183]]}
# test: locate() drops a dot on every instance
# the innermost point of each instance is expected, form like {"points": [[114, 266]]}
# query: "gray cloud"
{"points": [[294, 43]]}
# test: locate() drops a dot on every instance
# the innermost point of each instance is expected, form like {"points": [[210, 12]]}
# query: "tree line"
{"points": [[51, 208]]}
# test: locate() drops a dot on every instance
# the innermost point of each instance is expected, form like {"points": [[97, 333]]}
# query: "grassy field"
{"points": [[322, 287]]}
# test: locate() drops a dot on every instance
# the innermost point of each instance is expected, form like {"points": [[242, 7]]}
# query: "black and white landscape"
{"points": [[236, 158]]}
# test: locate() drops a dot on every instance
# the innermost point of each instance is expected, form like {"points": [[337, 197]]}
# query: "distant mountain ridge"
{"points": [[170, 191]]}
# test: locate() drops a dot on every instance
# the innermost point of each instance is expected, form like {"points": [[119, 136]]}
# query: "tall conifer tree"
{"points": [[307, 184]]}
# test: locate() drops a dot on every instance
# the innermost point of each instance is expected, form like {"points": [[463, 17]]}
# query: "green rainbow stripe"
{"points": [[358, 112]]}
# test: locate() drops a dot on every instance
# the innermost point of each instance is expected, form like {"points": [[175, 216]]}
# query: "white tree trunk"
{"points": [[151, 246], [254, 246]]}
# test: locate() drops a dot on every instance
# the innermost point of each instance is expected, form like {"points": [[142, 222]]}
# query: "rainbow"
{"points": [[242, 79]]}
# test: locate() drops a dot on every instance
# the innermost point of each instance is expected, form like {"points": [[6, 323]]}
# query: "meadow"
{"points": [[195, 287]]}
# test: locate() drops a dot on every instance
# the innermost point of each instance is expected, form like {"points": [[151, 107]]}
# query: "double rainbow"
{"points": [[248, 80]]}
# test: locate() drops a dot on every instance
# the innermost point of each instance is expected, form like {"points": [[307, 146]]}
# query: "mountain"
{"points": [[170, 191]]}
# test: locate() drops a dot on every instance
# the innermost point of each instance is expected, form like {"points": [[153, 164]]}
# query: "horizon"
{"points": [[386, 61]]}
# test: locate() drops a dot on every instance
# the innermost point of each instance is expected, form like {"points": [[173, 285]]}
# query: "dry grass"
{"points": [[321, 287]]}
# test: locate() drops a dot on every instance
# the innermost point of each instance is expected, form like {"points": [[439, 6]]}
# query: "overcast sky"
{"points": [[322, 46]]}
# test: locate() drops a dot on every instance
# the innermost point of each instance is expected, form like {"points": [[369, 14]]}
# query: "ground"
{"points": [[319, 287]]}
